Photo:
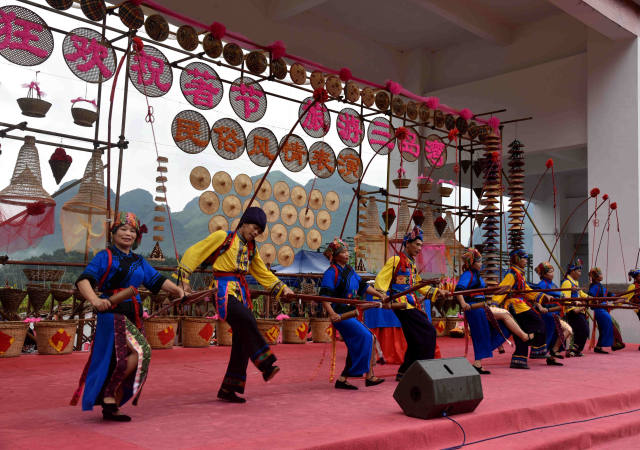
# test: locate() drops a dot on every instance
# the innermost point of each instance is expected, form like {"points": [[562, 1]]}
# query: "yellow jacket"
{"points": [[403, 281], [571, 283], [517, 300]]}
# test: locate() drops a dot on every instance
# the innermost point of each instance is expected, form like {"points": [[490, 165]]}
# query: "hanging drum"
{"points": [[315, 199], [333, 86], [412, 110], [438, 118], [243, 185], [221, 182], [90, 57], [131, 15], [294, 154], [424, 113], [200, 178], [298, 196], [296, 237], [212, 46], [350, 127], [352, 91], [314, 239], [315, 119], [267, 253], [94, 9], [289, 214], [435, 151], [190, 131], [306, 217], [60, 4], [25, 46], [232, 54], [279, 68], [410, 146], [382, 100], [380, 134], [278, 234], [332, 201], [256, 62], [272, 210], [231, 206], [323, 220], [248, 99], [228, 138], [462, 125], [157, 27], [262, 237], [316, 79], [281, 191], [368, 97], [209, 202], [265, 190], [150, 72], [201, 85], [285, 255], [298, 73], [349, 165], [218, 223], [322, 159], [187, 38], [262, 146]]}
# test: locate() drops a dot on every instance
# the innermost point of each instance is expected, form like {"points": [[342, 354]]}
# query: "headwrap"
{"points": [[337, 246], [516, 254], [576, 265], [634, 273], [470, 257], [543, 268], [256, 216], [416, 233], [595, 272], [129, 218]]}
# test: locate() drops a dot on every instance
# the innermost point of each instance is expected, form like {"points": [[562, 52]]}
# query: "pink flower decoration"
{"points": [[466, 113], [494, 123], [145, 315], [278, 50], [393, 87], [401, 172], [433, 102], [282, 317], [218, 30], [345, 74]]}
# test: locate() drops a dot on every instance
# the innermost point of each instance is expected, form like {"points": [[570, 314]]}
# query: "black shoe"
{"points": [[553, 362], [556, 355], [381, 361], [481, 370], [230, 396], [501, 350], [515, 366], [373, 381], [345, 385], [599, 350], [110, 412], [578, 354], [617, 347], [270, 373], [399, 376]]}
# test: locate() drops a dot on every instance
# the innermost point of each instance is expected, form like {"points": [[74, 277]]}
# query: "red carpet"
{"points": [[299, 408]]}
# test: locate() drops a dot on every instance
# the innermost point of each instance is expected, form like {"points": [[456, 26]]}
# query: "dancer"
{"points": [[401, 273], [576, 316], [521, 306], [557, 330], [633, 291], [606, 329], [119, 361], [341, 281], [486, 333], [232, 255]]}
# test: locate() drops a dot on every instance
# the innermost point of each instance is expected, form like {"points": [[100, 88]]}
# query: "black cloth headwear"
{"points": [[254, 215]]}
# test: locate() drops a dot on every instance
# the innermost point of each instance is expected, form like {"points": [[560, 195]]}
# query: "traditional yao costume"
{"points": [[575, 316], [232, 258], [608, 334], [110, 271], [399, 274]]}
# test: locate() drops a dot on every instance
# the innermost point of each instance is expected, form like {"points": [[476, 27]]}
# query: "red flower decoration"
{"points": [[614, 205], [549, 163], [594, 192], [320, 94], [401, 133], [218, 30], [453, 135], [36, 208], [345, 74], [278, 50], [143, 229], [60, 155], [391, 212], [137, 44], [605, 197]]}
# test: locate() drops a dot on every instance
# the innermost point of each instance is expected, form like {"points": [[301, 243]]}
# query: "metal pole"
{"points": [[121, 141]]}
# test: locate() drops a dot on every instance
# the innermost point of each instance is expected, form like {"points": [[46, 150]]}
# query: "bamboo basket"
{"points": [[321, 329], [294, 331], [197, 331], [445, 191], [270, 329], [425, 187], [37, 297], [401, 183], [55, 337], [223, 332], [161, 331], [43, 275], [11, 299], [12, 335]]}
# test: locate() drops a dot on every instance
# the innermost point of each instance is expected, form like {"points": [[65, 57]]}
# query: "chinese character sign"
{"points": [[89, 57], [349, 165], [25, 38], [150, 72], [322, 159], [262, 146], [316, 120], [201, 85], [228, 139], [190, 131], [435, 151], [247, 99], [294, 154], [410, 146], [381, 136], [350, 127]]}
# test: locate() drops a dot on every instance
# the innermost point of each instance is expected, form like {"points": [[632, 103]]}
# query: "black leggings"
{"points": [[419, 334], [580, 325]]}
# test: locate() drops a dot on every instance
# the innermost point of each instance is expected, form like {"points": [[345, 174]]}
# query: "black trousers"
{"points": [[530, 322], [347, 367], [580, 325], [246, 343], [419, 334]]}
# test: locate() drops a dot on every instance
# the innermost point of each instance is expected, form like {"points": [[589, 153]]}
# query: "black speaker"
{"points": [[432, 387]]}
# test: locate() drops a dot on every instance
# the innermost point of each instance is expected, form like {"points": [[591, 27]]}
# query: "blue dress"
{"points": [[344, 282], [602, 316], [114, 328], [485, 338], [549, 318]]}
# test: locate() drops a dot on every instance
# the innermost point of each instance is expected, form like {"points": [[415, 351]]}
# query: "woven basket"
{"points": [[425, 187], [37, 297], [61, 295], [161, 331], [84, 117], [55, 337], [11, 299], [321, 329], [270, 329], [197, 331], [43, 275], [33, 107], [12, 336], [401, 183], [445, 191], [223, 332], [294, 331]]}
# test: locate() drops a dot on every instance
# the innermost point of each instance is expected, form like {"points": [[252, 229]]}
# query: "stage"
{"points": [[300, 409]]}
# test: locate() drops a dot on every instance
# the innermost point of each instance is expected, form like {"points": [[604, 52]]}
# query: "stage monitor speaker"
{"points": [[432, 387]]}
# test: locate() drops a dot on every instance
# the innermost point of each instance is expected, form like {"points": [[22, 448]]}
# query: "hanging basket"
{"points": [[12, 335], [197, 331], [223, 332], [33, 107], [401, 183], [43, 275], [321, 329], [55, 337], [37, 297], [425, 186], [270, 330], [161, 331], [83, 116], [294, 331], [445, 191], [11, 299]]}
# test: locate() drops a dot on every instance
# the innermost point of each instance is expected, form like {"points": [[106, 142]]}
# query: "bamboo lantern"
{"points": [[491, 211], [157, 254], [516, 193]]}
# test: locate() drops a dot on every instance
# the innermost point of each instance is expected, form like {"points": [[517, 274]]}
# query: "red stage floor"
{"points": [[299, 408]]}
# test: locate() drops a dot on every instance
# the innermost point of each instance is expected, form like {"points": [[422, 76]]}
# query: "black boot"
{"points": [[270, 373], [230, 396], [110, 412]]}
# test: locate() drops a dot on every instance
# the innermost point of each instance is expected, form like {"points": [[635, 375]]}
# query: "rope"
{"points": [[624, 265]]}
